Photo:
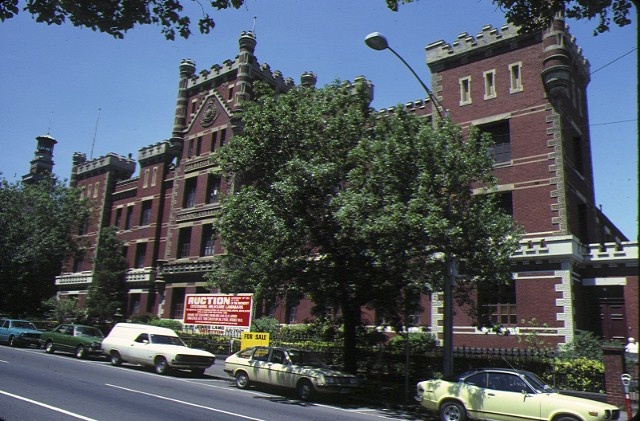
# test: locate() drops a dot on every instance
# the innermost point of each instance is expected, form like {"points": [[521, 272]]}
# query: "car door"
{"points": [[59, 337], [137, 351], [258, 365], [508, 397], [278, 371]]}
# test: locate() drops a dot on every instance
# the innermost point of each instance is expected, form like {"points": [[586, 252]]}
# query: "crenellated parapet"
{"points": [[159, 152], [122, 166], [465, 43]]}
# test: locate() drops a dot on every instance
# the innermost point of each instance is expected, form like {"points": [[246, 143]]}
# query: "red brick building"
{"points": [[574, 271]]}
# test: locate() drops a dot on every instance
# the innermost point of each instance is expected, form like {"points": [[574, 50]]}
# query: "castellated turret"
{"points": [[187, 70], [246, 59]]}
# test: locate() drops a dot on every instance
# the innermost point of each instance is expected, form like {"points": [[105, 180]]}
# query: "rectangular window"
{"points": [[118, 220], [223, 137], [489, 84], [194, 105], [95, 190], [128, 218], [505, 201], [293, 314], [184, 242], [213, 188], [515, 72], [154, 176], [190, 189], [499, 131], [177, 303], [190, 145], [214, 139], [208, 241], [141, 254], [89, 191], [498, 303], [145, 180], [465, 90], [145, 215], [198, 145]]}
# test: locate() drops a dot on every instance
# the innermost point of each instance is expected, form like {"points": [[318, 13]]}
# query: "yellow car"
{"points": [[506, 395], [289, 368]]}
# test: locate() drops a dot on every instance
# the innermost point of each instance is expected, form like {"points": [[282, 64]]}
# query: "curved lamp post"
{"points": [[377, 41]]}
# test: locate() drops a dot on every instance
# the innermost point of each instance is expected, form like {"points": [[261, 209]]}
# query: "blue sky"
{"points": [[96, 94]]}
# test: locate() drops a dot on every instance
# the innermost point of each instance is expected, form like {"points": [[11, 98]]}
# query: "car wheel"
{"points": [[81, 352], [115, 358], [452, 411], [49, 347], [305, 389], [162, 366], [242, 380], [12, 341], [566, 418]]}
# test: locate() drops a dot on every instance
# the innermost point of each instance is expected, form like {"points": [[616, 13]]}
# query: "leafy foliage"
{"points": [[175, 325], [117, 17], [533, 15], [584, 345], [419, 343], [108, 291], [349, 208], [63, 310], [265, 324], [38, 222]]}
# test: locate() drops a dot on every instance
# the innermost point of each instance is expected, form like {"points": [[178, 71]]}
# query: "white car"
{"points": [[153, 346], [290, 368]]}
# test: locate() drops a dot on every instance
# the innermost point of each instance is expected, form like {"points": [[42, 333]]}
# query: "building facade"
{"points": [[575, 271]]}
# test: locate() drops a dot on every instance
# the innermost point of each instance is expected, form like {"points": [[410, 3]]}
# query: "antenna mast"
{"points": [[95, 132]]}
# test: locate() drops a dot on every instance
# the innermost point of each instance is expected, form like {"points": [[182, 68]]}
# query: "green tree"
{"points": [[351, 208], [117, 17], [38, 222], [108, 291]]}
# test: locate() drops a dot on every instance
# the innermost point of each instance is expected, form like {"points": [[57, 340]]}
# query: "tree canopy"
{"points": [[38, 226], [117, 17], [532, 15], [351, 208]]}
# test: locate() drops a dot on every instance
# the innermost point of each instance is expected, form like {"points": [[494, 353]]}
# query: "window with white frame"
{"points": [[489, 84], [515, 74], [465, 90], [145, 180]]}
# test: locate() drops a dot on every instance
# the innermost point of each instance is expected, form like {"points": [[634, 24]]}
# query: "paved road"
{"points": [[35, 385]]}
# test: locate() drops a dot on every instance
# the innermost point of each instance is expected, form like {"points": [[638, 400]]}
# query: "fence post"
{"points": [[614, 366]]}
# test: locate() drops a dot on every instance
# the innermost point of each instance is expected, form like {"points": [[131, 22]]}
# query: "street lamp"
{"points": [[377, 41]]}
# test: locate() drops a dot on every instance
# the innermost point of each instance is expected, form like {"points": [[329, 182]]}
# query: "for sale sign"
{"points": [[221, 314]]}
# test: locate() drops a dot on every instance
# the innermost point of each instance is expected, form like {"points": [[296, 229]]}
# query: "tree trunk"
{"points": [[351, 320]]}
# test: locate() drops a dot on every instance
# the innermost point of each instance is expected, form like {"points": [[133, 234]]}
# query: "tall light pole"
{"points": [[377, 41]]}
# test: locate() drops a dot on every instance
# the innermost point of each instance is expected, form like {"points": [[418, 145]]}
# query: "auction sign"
{"points": [[218, 314]]}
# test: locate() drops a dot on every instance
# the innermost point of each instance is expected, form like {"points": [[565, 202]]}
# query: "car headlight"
{"points": [[329, 380]]}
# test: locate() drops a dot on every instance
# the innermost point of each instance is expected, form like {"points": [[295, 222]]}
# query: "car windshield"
{"points": [[305, 358], [538, 384], [88, 331], [166, 340], [23, 325]]}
